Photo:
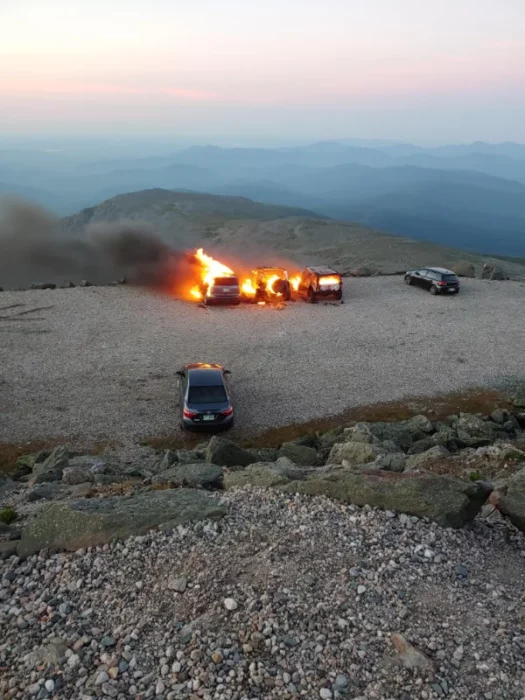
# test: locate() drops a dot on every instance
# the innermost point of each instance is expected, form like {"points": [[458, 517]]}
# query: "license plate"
{"points": [[208, 417], [451, 291]]}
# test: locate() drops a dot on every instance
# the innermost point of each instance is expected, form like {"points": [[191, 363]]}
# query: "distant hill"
{"points": [[183, 218], [255, 231], [469, 195]]}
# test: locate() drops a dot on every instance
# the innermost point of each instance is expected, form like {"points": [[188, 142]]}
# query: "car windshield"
{"points": [[449, 278], [226, 281], [206, 394]]}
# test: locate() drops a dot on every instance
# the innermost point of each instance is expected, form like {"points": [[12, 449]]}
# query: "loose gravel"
{"points": [[284, 598], [100, 362]]}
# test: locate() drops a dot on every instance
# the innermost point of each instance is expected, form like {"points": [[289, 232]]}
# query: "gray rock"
{"points": [[168, 458], [391, 462], [421, 446], [448, 501], [409, 656], [474, 426], [419, 460], [52, 654], [419, 424], [299, 454], [226, 453], [43, 285], [191, 456], [464, 269], [94, 521], [499, 416], [519, 402], [361, 271], [266, 474], [202, 474], [178, 585], [51, 469], [512, 503], [354, 453], [360, 432], [76, 475]]}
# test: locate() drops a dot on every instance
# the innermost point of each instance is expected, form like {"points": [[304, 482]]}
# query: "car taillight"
{"points": [[189, 414], [227, 412], [442, 284]]}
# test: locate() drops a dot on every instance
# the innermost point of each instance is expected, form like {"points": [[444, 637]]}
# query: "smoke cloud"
{"points": [[34, 249]]}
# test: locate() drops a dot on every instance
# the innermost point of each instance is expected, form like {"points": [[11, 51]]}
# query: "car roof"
{"points": [[440, 270], [322, 270]]}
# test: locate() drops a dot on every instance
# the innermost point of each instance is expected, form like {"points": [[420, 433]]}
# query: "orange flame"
{"points": [[329, 280], [210, 269], [248, 289], [294, 282]]}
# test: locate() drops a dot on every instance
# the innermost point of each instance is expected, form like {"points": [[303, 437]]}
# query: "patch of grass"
{"points": [[7, 516], [475, 476]]}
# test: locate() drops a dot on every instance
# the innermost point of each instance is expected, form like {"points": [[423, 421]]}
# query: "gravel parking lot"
{"points": [[100, 362]]}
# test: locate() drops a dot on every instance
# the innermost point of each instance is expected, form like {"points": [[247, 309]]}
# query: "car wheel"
{"points": [[339, 295], [287, 292], [433, 290], [457, 291], [312, 297], [408, 280]]}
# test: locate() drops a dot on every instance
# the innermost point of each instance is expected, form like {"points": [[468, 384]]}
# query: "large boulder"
{"points": [[52, 468], [418, 460], [512, 503], [360, 432], [266, 474], [493, 272], [464, 269], [354, 453], [448, 501], [201, 474], [474, 427], [94, 521], [299, 454], [226, 453]]}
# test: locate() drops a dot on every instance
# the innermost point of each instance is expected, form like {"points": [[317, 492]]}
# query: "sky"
{"points": [[420, 70]]}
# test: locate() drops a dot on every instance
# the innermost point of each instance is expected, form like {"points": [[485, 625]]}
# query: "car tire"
{"points": [[457, 291], [287, 292], [339, 295], [312, 297], [408, 280], [433, 290]]}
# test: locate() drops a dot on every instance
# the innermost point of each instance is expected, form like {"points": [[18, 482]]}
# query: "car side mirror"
{"points": [[180, 373], [227, 371]]}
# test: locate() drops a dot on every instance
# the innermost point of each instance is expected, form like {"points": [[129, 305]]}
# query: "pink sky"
{"points": [[159, 65]]}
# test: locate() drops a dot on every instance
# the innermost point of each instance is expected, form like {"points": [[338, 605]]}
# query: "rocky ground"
{"points": [[99, 363], [340, 565], [285, 597]]}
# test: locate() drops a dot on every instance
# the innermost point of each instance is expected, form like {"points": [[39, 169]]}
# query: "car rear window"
{"points": [[206, 394], [449, 278], [226, 281]]}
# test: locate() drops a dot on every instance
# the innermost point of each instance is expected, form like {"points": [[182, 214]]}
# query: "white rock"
{"points": [[230, 604], [325, 693], [49, 685]]}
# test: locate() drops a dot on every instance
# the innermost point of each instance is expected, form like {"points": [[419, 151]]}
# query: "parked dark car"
{"points": [[224, 290], [320, 282], [437, 280], [204, 397]]}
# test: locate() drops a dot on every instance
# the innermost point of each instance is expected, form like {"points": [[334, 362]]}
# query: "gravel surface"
{"points": [[101, 361], [308, 598]]}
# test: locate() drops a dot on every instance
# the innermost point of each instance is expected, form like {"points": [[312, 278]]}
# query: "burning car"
{"points": [[315, 282], [267, 284], [218, 283]]}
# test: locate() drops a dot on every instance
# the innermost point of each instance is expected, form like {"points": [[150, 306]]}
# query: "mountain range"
{"points": [[469, 196]]}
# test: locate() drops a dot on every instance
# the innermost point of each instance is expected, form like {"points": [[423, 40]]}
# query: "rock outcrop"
{"points": [[95, 521]]}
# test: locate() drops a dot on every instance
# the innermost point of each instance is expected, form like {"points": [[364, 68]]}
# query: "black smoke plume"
{"points": [[34, 249]]}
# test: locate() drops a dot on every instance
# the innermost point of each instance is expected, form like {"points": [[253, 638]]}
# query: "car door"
{"points": [[424, 279], [417, 278]]}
